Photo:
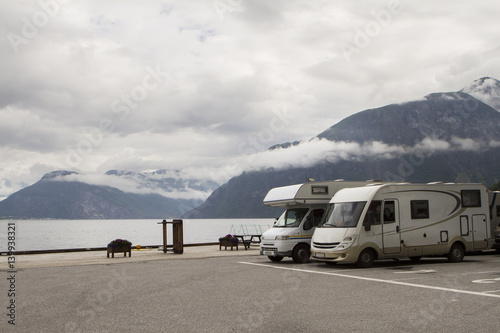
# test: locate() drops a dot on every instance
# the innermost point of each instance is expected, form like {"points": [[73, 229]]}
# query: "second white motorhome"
{"points": [[404, 220], [305, 205]]}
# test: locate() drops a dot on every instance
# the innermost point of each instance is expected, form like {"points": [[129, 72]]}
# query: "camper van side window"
{"points": [[471, 198], [319, 190], [419, 209], [389, 216], [313, 219], [375, 207]]}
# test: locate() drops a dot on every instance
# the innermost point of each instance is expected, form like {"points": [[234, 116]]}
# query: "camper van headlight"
{"points": [[282, 238], [346, 243]]}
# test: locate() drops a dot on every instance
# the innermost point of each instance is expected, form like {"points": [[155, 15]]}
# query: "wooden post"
{"points": [[164, 222], [178, 236]]}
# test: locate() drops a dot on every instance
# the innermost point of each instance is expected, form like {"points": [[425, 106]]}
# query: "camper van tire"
{"points": [[456, 253], [366, 258], [301, 253], [275, 258]]}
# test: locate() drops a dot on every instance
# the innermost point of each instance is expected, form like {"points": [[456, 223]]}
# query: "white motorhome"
{"points": [[403, 220], [495, 218], [305, 206]]}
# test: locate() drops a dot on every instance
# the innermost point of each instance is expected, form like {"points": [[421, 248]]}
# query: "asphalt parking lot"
{"points": [[248, 293]]}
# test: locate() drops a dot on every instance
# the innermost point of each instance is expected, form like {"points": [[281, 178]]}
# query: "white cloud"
{"points": [[467, 144], [312, 152], [494, 144], [135, 185]]}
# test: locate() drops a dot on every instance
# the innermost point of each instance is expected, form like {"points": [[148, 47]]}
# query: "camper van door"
{"points": [[391, 235], [479, 231]]}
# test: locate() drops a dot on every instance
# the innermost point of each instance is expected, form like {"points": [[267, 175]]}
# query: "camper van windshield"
{"points": [[291, 217], [343, 215]]}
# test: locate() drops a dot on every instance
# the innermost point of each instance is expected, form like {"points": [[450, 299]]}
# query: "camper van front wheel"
{"points": [[275, 258], [301, 253], [366, 258], [456, 253]]}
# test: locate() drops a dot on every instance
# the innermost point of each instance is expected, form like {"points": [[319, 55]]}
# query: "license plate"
{"points": [[320, 255], [269, 253]]}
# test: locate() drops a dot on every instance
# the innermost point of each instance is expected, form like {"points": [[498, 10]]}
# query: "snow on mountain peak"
{"points": [[485, 89]]}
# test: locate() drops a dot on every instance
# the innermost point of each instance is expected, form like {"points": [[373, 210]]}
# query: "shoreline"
{"points": [[90, 249], [99, 257]]}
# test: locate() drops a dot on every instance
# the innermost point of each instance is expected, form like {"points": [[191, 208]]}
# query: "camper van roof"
{"points": [[307, 193], [364, 193], [354, 194], [282, 193]]}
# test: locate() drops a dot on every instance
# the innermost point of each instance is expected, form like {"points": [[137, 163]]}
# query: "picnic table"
{"points": [[248, 239]]}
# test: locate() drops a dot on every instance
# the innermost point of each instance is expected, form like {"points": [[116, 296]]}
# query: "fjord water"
{"points": [[68, 234]]}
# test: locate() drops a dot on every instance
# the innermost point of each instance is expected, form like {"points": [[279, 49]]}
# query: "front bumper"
{"points": [[282, 248], [274, 251], [334, 256]]}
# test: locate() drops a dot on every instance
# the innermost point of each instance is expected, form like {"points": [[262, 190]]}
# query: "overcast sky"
{"points": [[199, 85]]}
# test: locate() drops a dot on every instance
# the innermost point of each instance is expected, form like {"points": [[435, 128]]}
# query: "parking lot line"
{"points": [[413, 285], [422, 271], [492, 291], [474, 273]]}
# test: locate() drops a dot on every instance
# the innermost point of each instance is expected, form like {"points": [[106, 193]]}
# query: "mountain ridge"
{"points": [[53, 196], [462, 135], [411, 122]]}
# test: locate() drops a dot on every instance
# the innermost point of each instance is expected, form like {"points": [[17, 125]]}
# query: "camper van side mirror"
{"points": [[369, 220]]}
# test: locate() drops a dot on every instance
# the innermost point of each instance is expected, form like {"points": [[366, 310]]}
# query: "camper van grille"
{"points": [[272, 249], [325, 245]]}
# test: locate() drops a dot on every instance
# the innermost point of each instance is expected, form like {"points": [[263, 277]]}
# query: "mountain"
{"points": [[441, 116], [56, 197], [242, 196], [485, 89], [450, 137]]}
